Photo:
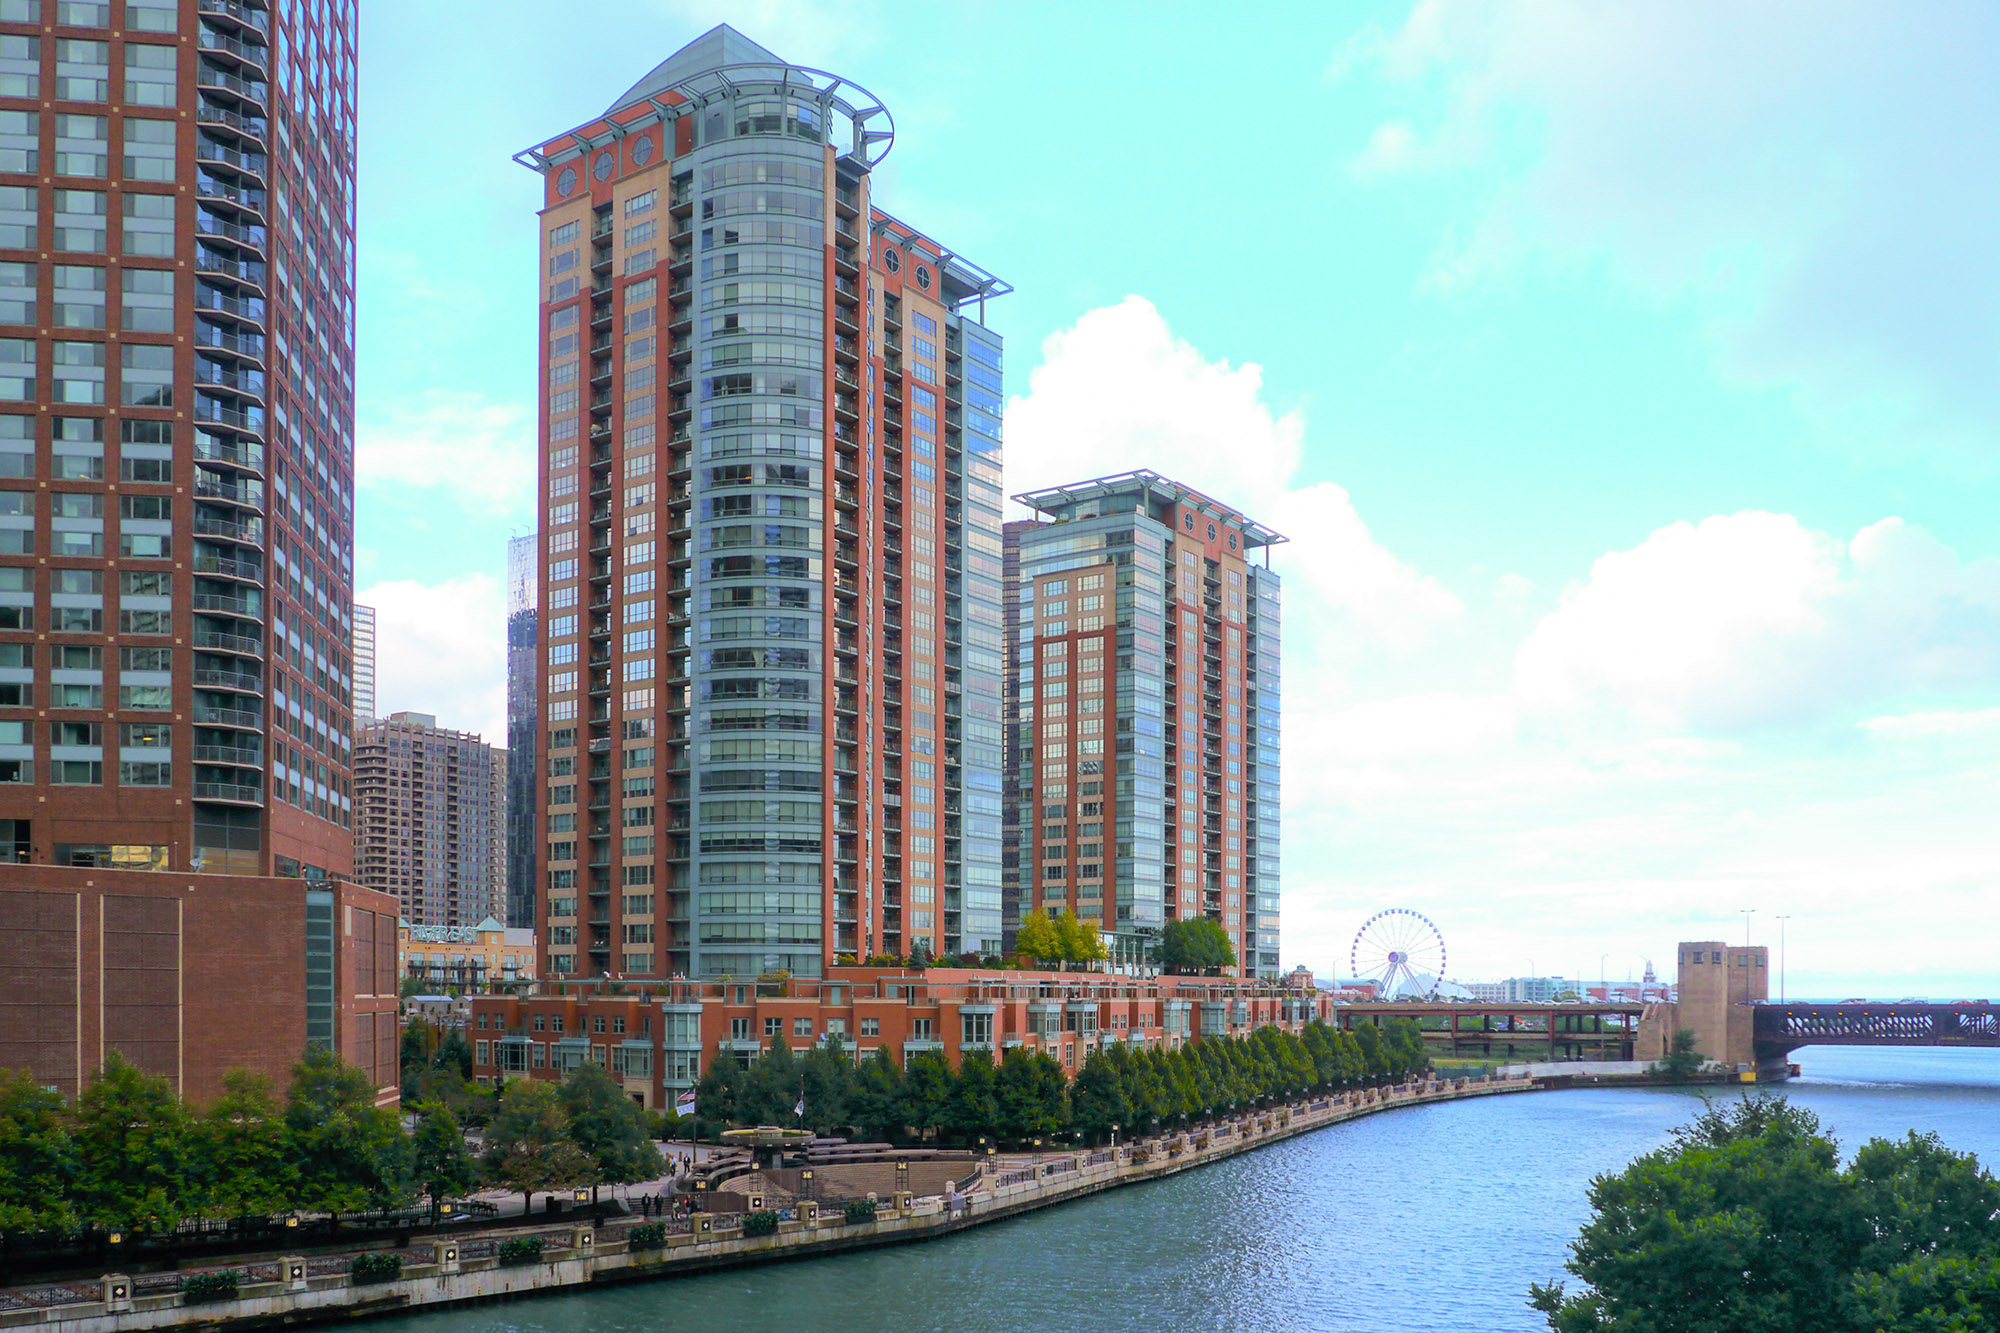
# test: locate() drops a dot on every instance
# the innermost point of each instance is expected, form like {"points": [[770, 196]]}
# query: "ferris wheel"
{"points": [[1401, 951]]}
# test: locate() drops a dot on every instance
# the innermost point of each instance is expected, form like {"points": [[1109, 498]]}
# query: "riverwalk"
{"points": [[494, 1266]]}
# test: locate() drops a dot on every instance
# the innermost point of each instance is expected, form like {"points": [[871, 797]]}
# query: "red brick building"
{"points": [[190, 976], [661, 1041]]}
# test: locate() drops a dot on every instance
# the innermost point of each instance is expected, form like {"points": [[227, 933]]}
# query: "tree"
{"points": [[718, 1097], [1097, 1102], [134, 1143], [247, 1165], [927, 1093], [610, 1127], [878, 1096], [347, 1153], [975, 1105], [921, 955], [1194, 946], [528, 1145], [772, 1088], [440, 1162], [828, 1075], [1682, 1061], [38, 1166], [1033, 1095], [1037, 938], [454, 1053], [1745, 1220]]}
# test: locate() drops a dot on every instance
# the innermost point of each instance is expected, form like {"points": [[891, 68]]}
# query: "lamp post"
{"points": [[1747, 912], [1601, 983], [806, 1183], [1114, 1136], [1781, 956]]}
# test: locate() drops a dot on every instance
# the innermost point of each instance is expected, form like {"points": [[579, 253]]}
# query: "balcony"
{"points": [[233, 793]]}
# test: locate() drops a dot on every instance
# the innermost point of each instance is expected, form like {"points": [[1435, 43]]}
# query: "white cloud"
{"points": [[1970, 722], [478, 452], [1750, 620], [441, 648], [1118, 390], [1823, 175]]}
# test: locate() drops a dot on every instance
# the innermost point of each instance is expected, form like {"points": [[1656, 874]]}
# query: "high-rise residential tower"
{"points": [[1148, 703], [523, 727], [176, 434], [431, 823], [364, 666], [770, 608]]}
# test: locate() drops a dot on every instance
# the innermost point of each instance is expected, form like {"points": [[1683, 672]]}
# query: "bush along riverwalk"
{"points": [[471, 1269]]}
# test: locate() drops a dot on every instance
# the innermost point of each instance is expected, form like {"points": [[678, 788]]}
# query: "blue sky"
{"points": [[1627, 376]]}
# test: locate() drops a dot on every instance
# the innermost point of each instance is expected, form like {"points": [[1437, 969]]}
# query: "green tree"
{"points": [[440, 1161], [1037, 938], [975, 1105], [1033, 1095], [771, 1090], [927, 1093], [38, 1165], [454, 1053], [134, 1142], [246, 1163], [828, 1075], [1097, 1102], [1195, 946], [610, 1127], [878, 1096], [1682, 1061], [348, 1154], [718, 1097], [528, 1145]]}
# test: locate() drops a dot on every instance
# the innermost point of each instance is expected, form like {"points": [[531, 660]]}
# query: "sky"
{"points": [[1625, 377]]}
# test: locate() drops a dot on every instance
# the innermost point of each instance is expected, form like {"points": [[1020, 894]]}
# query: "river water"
{"points": [[1434, 1218]]}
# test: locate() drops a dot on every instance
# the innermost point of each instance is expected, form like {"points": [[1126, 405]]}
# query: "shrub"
{"points": [[760, 1224], [520, 1250], [375, 1267], [858, 1210], [646, 1236], [198, 1288]]}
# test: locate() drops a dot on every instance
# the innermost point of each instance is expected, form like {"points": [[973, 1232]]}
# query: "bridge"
{"points": [[1514, 1032], [1778, 1029]]}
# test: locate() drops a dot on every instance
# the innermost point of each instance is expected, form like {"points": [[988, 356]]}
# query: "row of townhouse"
{"points": [[659, 1042]]}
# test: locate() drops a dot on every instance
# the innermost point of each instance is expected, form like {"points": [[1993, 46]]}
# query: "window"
{"points": [[976, 1029], [79, 373], [149, 150], [17, 293], [83, 71], [149, 225], [802, 1027], [81, 145], [151, 15], [20, 66], [79, 297], [17, 370], [773, 1028], [871, 1027], [149, 75], [76, 772], [148, 304], [79, 216], [148, 375]]}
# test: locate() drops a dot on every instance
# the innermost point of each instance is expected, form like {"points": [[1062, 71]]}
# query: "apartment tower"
{"points": [[432, 826], [176, 434], [770, 545], [523, 727], [1146, 701], [364, 666]]}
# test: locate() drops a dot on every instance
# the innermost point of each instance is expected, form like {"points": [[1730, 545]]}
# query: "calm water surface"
{"points": [[1430, 1219]]}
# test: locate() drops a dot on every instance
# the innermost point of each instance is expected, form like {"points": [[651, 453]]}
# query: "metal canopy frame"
{"points": [[1048, 501], [976, 283], [726, 81]]}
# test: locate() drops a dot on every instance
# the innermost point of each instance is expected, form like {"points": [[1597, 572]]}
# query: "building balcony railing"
{"points": [[234, 793]]}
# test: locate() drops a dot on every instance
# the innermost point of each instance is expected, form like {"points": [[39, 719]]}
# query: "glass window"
{"points": [[152, 16], [17, 370], [17, 293], [81, 146], [79, 373], [83, 14], [17, 446], [148, 305], [148, 376], [20, 141], [17, 217], [79, 297], [80, 221], [149, 225], [83, 71], [20, 66], [149, 150], [149, 74], [75, 772]]}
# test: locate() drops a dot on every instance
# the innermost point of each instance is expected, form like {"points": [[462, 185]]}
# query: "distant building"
{"points": [[430, 824], [1522, 990], [190, 976], [364, 666], [523, 729], [467, 957]]}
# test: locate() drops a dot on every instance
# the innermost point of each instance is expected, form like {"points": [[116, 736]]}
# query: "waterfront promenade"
{"points": [[468, 1269]]}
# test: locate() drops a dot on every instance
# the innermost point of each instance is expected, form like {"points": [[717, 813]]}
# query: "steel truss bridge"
{"points": [[1781, 1028], [1519, 1032]]}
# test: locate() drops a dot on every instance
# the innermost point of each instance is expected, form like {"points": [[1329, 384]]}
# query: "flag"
{"points": [[684, 1103], [800, 1109]]}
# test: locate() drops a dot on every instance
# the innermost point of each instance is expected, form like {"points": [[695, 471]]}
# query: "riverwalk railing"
{"points": [[321, 1288]]}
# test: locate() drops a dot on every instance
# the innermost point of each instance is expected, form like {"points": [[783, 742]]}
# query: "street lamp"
{"points": [[806, 1183], [1114, 1136], [1747, 912], [1781, 956]]}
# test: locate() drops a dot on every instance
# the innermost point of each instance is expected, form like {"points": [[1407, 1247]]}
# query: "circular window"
{"points": [[923, 277], [1211, 532], [642, 151], [892, 259], [567, 181], [604, 166], [1232, 541]]}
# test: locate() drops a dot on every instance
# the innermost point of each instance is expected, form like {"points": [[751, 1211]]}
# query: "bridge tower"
{"points": [[1718, 987]]}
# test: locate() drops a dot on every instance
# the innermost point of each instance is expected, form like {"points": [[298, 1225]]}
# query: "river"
{"points": [[1435, 1218]]}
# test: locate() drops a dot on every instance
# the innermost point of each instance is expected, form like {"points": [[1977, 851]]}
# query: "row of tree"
{"points": [[1027, 1095], [130, 1156]]}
